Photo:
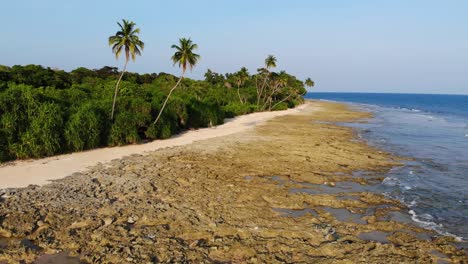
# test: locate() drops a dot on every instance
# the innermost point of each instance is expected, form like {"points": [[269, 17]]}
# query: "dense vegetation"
{"points": [[45, 111]]}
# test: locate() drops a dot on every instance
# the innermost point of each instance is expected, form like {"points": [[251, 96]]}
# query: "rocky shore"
{"points": [[296, 189]]}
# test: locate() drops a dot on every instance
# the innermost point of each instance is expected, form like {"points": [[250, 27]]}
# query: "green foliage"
{"points": [[86, 128], [4, 147], [43, 137], [280, 106], [162, 129], [235, 108], [124, 130], [46, 112], [203, 114]]}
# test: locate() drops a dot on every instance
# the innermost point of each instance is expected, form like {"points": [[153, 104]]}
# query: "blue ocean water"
{"points": [[431, 129]]}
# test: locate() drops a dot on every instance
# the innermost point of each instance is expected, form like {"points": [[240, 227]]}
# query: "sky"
{"points": [[401, 46]]}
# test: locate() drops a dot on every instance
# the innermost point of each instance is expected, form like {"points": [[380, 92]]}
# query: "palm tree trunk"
{"points": [[281, 101], [117, 88], [238, 93], [269, 99], [167, 98], [262, 88]]}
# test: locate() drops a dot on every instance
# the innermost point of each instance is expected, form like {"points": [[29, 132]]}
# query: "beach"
{"points": [[275, 187], [22, 173]]}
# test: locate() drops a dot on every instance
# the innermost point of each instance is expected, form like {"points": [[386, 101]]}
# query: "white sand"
{"points": [[23, 173]]}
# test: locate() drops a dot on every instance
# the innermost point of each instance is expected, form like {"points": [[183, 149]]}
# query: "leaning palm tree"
{"points": [[279, 81], [126, 39], [309, 82], [270, 62], [184, 57]]}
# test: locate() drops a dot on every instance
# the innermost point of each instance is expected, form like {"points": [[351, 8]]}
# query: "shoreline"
{"points": [[21, 173], [294, 189]]}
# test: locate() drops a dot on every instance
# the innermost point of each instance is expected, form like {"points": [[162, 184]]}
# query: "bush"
{"points": [[4, 148], [43, 137], [85, 128], [202, 114], [280, 106], [173, 119], [236, 108], [124, 130], [161, 130]]}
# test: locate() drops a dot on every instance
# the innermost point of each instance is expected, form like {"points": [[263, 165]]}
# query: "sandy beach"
{"points": [[22, 173], [284, 191]]}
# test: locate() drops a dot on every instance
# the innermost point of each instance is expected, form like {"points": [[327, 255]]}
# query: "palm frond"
{"points": [[127, 38]]}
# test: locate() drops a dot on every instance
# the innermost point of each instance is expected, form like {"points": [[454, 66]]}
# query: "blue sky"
{"points": [[360, 45]]}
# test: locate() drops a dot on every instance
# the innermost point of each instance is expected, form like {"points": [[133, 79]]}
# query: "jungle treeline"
{"points": [[45, 111]]}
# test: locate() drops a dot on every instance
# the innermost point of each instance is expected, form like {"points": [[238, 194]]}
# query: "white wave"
{"points": [[390, 181], [427, 223]]}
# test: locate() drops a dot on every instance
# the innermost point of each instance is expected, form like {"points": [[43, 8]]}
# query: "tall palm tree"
{"points": [[184, 57], [309, 82], [270, 62], [126, 39], [241, 77]]}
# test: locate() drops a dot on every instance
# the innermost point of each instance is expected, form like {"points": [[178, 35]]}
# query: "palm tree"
{"points": [[184, 57], [279, 81], [125, 39], [270, 62], [309, 82], [241, 77]]}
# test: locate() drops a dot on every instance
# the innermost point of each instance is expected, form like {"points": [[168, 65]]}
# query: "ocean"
{"points": [[433, 131]]}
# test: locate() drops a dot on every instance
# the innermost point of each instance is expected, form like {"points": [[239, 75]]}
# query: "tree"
{"points": [[278, 81], [184, 57], [125, 39], [270, 62], [240, 78], [309, 82]]}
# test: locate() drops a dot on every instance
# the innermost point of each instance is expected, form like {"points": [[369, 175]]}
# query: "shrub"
{"points": [[4, 148], [126, 125], [85, 128], [203, 114], [236, 108], [124, 130], [280, 106], [43, 137], [162, 129], [173, 119]]}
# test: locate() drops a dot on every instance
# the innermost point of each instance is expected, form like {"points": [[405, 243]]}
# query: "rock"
{"points": [[5, 233], [372, 219], [40, 223], [107, 221], [132, 219]]}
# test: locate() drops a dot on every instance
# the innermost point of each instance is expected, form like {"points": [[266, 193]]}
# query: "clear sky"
{"points": [[344, 45]]}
